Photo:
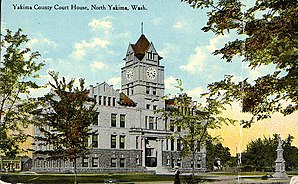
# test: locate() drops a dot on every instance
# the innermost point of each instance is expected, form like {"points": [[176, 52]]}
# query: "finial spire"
{"points": [[142, 28]]}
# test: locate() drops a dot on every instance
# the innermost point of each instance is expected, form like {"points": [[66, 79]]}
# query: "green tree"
{"points": [[216, 151], [267, 36], [17, 73], [260, 154], [65, 119], [193, 119]]}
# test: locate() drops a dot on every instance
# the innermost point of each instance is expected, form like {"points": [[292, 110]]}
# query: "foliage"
{"points": [[215, 150], [260, 154], [65, 119], [267, 36], [16, 74], [194, 119]]}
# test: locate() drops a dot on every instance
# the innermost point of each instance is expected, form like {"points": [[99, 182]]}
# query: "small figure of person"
{"points": [[177, 179]]}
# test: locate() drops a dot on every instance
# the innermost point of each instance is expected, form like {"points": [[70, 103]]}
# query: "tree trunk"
{"points": [[193, 164], [75, 170]]}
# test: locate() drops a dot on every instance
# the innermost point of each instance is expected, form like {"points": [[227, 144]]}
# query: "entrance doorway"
{"points": [[150, 152]]}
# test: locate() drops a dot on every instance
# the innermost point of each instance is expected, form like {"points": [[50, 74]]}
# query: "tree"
{"points": [[16, 80], [65, 120], [193, 119], [216, 151], [261, 154], [267, 36]]}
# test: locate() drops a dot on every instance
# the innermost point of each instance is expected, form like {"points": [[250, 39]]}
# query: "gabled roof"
{"points": [[141, 46], [126, 101]]}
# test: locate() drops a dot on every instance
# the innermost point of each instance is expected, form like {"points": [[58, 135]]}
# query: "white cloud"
{"points": [[82, 47], [98, 65], [115, 81], [196, 92], [213, 43], [168, 50], [37, 42], [195, 62], [105, 24], [179, 25], [183, 25], [156, 21], [170, 83]]}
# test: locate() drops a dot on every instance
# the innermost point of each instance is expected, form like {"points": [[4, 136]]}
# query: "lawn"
{"points": [[83, 178]]}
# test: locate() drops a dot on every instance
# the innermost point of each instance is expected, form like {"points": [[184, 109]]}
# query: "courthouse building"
{"points": [[130, 136]]}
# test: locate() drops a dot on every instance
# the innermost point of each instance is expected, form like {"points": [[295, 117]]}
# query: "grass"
{"points": [[44, 178], [83, 178]]}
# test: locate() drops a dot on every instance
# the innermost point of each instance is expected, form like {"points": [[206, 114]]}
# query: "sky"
{"points": [[91, 44]]}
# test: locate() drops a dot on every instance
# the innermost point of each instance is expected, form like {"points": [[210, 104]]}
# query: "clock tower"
{"points": [[142, 77]]}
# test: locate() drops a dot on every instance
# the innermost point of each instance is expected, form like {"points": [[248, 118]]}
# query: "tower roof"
{"points": [[141, 46]]}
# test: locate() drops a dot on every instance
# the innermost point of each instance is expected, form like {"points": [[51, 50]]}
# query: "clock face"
{"points": [[129, 74], [151, 73]]}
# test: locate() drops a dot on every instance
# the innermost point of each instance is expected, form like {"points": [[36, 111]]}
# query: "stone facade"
{"points": [[130, 136]]}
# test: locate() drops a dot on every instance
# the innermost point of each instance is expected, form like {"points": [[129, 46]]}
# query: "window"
{"points": [[114, 101], [94, 162], [179, 162], [178, 145], [95, 119], [147, 90], [113, 141], [95, 141], [150, 55], [122, 141], [172, 128], [113, 120], [172, 125], [113, 162], [85, 162], [99, 100], [109, 101], [104, 100], [151, 123], [167, 144], [172, 144], [127, 91], [137, 142], [138, 160], [154, 107], [122, 162], [146, 122], [95, 98], [147, 106], [122, 120], [178, 128], [154, 91]]}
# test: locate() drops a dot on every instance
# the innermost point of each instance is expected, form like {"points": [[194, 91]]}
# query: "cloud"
{"points": [[179, 25], [183, 25], [170, 83], [196, 92], [213, 43], [168, 50], [39, 42], [196, 61], [98, 65], [115, 81], [82, 47], [156, 21], [104, 24]]}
